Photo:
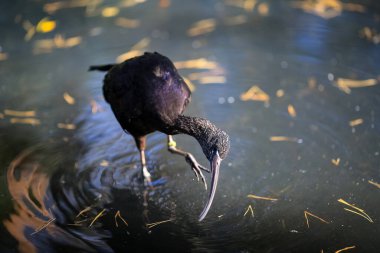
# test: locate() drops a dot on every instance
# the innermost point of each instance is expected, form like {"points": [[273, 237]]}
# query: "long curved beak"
{"points": [[215, 164]]}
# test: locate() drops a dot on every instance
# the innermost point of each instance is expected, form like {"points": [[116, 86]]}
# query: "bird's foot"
{"points": [[147, 176], [197, 168]]}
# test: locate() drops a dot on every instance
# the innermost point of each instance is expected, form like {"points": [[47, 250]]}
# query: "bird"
{"points": [[147, 94]]}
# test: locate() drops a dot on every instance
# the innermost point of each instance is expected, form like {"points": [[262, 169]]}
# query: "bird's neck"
{"points": [[201, 129]]}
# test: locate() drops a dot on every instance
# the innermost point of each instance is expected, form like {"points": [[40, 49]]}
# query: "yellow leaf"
{"points": [[46, 25], [256, 94]]}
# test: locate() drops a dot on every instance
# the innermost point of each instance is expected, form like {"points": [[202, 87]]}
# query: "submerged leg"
{"points": [[195, 166], [141, 143]]}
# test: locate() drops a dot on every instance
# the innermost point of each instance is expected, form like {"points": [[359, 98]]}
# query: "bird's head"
{"points": [[216, 149]]}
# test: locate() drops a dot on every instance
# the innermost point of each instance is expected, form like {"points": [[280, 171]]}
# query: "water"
{"points": [[296, 56]]}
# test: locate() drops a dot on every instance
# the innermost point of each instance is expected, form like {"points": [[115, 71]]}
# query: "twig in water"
{"points": [[313, 215], [344, 249], [249, 209], [150, 225], [119, 215], [84, 211], [43, 226], [363, 214], [97, 217], [258, 197]]}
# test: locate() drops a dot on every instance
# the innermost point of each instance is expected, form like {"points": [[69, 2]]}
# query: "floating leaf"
{"points": [[108, 12], [30, 121], [66, 126], [356, 122], [335, 161], [3, 56], [200, 63], [347, 84], [20, 113], [127, 23], [202, 27], [256, 94], [292, 112], [46, 25], [68, 98]]}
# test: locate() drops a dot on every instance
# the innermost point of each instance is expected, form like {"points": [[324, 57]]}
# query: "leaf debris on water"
{"points": [[20, 113], [361, 211], [306, 213], [346, 248], [43, 226], [292, 111], [104, 163], [335, 161], [127, 23], [259, 197], [151, 225], [68, 98], [284, 138], [370, 34], [236, 20], [47, 45], [347, 84], [95, 107], [119, 215], [3, 56], [202, 27], [374, 183], [97, 217], [110, 11], [247, 5], [30, 121], [135, 50], [66, 126], [45, 25], [212, 79], [255, 93], [189, 84], [249, 209], [200, 63], [356, 122], [84, 211]]}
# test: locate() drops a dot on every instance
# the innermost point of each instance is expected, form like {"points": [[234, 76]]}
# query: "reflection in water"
{"points": [[294, 83]]}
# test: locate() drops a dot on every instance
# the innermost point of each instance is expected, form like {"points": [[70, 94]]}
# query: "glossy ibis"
{"points": [[147, 94]]}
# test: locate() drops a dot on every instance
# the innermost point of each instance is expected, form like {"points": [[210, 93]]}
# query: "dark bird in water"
{"points": [[147, 94]]}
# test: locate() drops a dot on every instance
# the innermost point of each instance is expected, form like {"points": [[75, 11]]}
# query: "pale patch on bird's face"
{"points": [[158, 71]]}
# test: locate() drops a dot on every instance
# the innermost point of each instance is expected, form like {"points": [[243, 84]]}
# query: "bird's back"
{"points": [[146, 93]]}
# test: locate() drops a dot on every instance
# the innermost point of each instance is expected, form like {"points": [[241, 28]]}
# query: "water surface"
{"points": [[70, 180]]}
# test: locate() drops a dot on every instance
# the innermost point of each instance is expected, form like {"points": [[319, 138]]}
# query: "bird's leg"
{"points": [[195, 166], [141, 142]]}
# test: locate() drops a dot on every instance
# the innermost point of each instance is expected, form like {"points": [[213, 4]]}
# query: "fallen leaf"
{"points": [[30, 121], [335, 161], [256, 94], [3, 56], [127, 23], [347, 84], [68, 98], [46, 25], [356, 122], [111, 11], [66, 126], [292, 112], [20, 113], [202, 27]]}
